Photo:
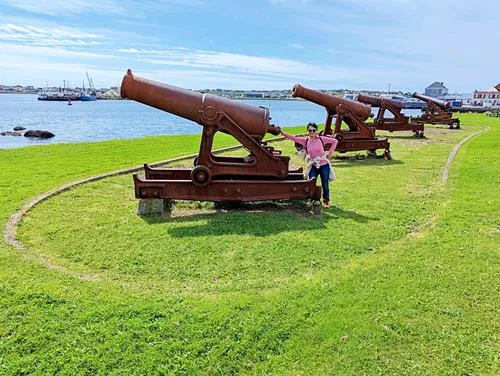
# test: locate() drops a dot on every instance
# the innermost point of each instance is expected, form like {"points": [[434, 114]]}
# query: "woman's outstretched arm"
{"points": [[298, 140]]}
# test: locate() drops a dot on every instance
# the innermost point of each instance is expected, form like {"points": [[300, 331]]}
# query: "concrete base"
{"points": [[154, 207]]}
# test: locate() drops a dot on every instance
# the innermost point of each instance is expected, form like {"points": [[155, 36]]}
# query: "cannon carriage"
{"points": [[359, 135], [437, 112], [399, 122], [264, 174]]}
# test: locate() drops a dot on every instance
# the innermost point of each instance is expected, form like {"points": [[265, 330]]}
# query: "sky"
{"points": [[256, 44]]}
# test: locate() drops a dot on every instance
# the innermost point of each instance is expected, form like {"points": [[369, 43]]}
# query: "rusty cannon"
{"points": [[359, 135], [398, 122], [264, 174], [437, 112]]}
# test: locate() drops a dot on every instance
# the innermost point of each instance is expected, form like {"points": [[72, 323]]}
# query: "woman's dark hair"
{"points": [[313, 125]]}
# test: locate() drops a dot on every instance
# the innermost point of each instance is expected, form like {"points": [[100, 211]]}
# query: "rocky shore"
{"points": [[32, 133]]}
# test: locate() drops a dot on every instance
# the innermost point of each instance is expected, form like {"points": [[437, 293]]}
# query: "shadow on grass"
{"points": [[336, 212], [405, 136], [356, 160], [258, 219]]}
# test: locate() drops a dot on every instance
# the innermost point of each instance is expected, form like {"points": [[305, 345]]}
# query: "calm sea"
{"points": [[106, 120]]}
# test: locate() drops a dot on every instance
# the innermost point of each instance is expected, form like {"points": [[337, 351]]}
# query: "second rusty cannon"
{"points": [[437, 112], [264, 174], [399, 122], [359, 135]]}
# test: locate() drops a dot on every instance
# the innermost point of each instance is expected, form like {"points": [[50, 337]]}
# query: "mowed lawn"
{"points": [[400, 276]]}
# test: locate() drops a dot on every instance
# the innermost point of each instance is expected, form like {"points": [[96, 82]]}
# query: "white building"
{"points": [[436, 90], [488, 98], [464, 99]]}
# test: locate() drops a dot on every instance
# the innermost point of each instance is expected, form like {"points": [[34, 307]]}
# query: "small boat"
{"points": [[87, 95], [69, 102]]}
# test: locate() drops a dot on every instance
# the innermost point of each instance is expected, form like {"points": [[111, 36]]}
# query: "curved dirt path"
{"points": [[454, 151]]}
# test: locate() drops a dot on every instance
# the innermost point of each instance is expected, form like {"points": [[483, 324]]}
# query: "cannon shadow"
{"points": [[258, 219], [337, 212], [353, 161], [408, 136]]}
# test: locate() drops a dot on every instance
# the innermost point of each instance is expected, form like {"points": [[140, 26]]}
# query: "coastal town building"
{"points": [[436, 90], [488, 97], [458, 99]]}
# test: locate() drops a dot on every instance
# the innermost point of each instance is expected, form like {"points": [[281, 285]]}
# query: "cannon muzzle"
{"points": [[197, 107], [330, 102], [377, 101], [443, 104]]}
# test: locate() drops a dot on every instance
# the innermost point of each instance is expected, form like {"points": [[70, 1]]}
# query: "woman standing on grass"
{"points": [[314, 146]]}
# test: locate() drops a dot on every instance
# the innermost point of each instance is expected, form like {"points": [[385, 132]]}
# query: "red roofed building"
{"points": [[488, 98]]}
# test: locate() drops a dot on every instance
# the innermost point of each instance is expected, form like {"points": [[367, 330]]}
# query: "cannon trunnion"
{"points": [[359, 135], [264, 174], [398, 123], [437, 112]]}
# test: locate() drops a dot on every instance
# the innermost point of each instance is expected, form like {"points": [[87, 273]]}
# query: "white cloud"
{"points": [[26, 52], [246, 64], [49, 36], [39, 71], [270, 72], [130, 9], [57, 7]]}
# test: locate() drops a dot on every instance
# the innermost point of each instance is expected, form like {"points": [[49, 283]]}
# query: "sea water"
{"points": [[113, 119]]}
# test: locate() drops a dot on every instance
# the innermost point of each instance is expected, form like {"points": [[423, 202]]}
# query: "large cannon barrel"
{"points": [[377, 101], [331, 101], [195, 106], [443, 104]]}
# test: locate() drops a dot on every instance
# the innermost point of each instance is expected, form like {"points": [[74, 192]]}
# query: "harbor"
{"points": [[67, 94]]}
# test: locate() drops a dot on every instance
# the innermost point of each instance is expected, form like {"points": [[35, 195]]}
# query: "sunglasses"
{"points": [[312, 130]]}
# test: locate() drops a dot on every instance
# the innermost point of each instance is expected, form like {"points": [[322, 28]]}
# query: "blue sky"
{"points": [[258, 44]]}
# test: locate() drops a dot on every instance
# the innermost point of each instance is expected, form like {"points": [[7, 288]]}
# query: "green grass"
{"points": [[399, 277]]}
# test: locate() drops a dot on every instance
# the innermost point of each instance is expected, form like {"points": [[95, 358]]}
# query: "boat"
{"points": [[58, 94], [88, 95]]}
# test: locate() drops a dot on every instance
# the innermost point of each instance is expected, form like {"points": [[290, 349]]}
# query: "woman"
{"points": [[314, 146]]}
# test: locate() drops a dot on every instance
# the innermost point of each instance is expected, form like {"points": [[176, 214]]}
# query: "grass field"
{"points": [[400, 276]]}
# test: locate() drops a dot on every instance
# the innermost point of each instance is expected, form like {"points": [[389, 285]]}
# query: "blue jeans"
{"points": [[324, 173]]}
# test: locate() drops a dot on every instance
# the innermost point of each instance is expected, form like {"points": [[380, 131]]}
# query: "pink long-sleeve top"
{"points": [[315, 146]]}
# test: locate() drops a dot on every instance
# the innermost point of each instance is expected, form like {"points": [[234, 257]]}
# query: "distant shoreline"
{"points": [[236, 98]]}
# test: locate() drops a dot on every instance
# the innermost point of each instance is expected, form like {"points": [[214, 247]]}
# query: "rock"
{"points": [[38, 134], [154, 207], [11, 133], [110, 94], [19, 128]]}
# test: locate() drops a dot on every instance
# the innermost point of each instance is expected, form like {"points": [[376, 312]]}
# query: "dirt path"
{"points": [[453, 153]]}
